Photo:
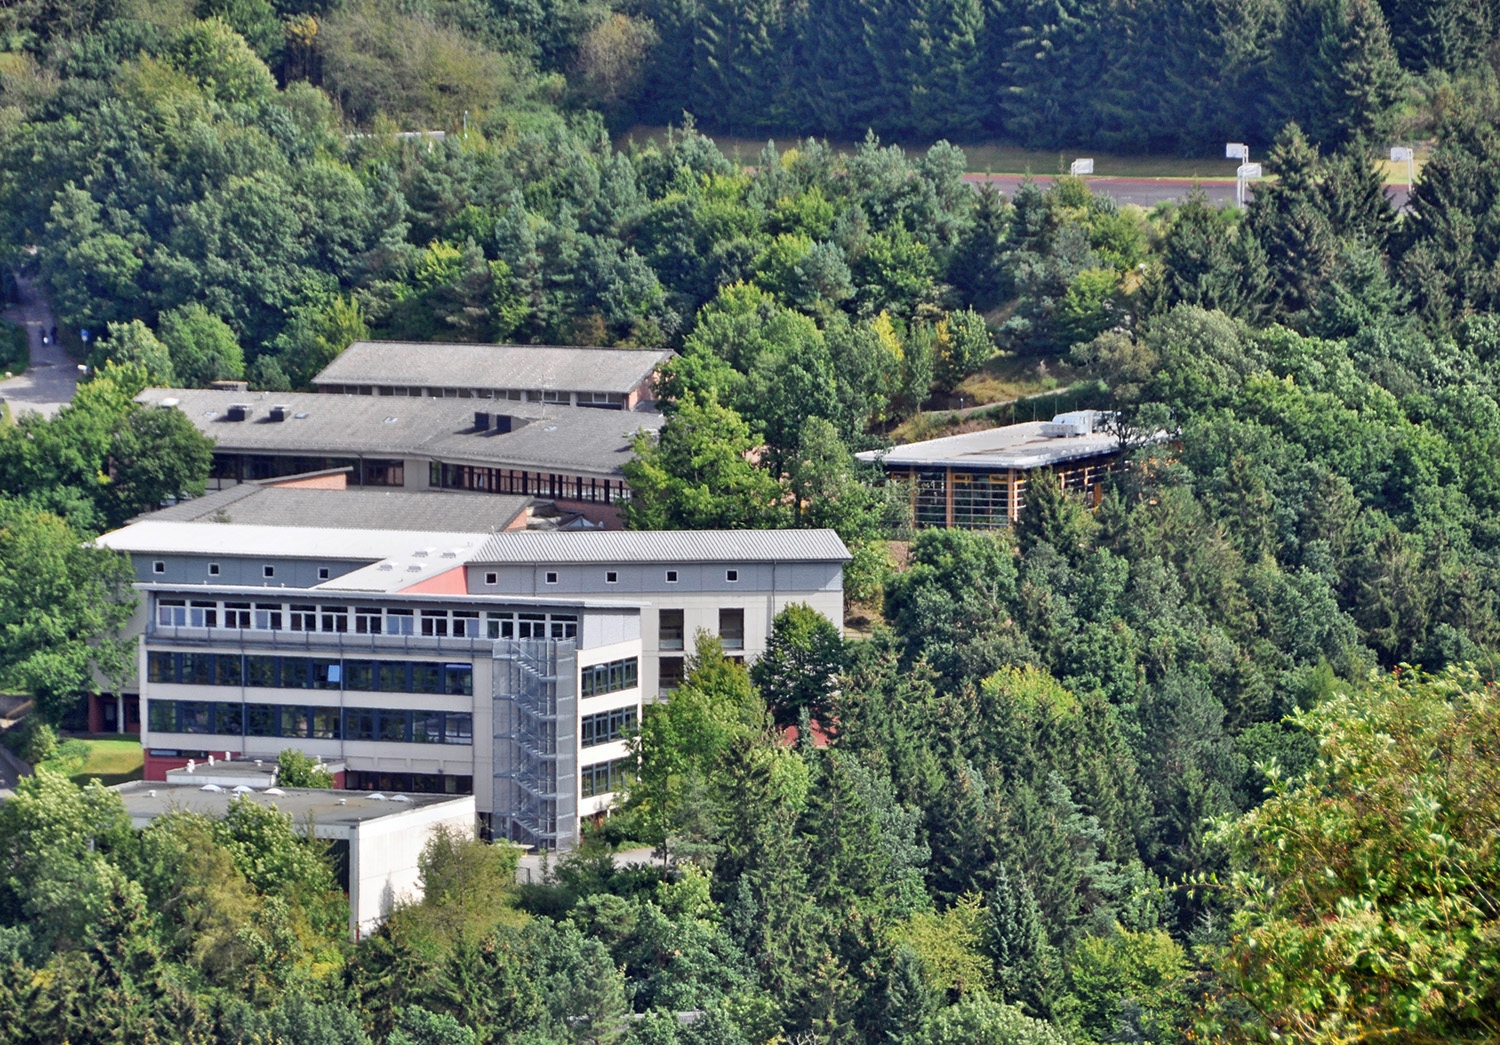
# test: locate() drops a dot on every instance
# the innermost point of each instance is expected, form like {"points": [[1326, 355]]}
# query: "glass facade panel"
{"points": [[261, 720]]}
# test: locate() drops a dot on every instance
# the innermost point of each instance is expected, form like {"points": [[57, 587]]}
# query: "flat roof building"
{"points": [[511, 666], [385, 834], [978, 480], [370, 508], [611, 378], [561, 453]]}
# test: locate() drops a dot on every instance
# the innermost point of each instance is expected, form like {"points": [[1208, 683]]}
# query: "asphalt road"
{"points": [[1148, 192], [49, 383]]}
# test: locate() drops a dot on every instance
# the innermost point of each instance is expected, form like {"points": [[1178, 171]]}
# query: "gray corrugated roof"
{"points": [[528, 367], [663, 546], [576, 440], [367, 509]]}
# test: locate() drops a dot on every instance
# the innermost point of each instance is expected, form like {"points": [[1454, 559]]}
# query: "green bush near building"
{"points": [[15, 353]]}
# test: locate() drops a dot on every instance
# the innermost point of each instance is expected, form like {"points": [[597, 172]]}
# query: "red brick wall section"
{"points": [[608, 514], [450, 582], [337, 481], [157, 765]]}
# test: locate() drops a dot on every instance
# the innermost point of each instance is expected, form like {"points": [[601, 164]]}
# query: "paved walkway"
{"points": [[49, 383], [534, 868]]}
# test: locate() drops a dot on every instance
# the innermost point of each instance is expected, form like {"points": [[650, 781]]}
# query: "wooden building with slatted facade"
{"points": [[978, 480]]}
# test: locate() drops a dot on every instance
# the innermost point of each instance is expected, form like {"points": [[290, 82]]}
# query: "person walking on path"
{"points": [[49, 383]]}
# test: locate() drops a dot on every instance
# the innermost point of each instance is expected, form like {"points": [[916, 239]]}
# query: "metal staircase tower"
{"points": [[536, 718]]}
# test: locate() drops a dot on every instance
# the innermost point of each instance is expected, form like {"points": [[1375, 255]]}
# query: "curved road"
{"points": [[53, 376]]}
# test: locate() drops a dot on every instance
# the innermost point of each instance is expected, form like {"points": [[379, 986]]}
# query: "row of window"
{"points": [[603, 778], [362, 620], [518, 395], [608, 726], [300, 722], [613, 577], [412, 783], [251, 467], [985, 500], [609, 678], [519, 481], [273, 672]]}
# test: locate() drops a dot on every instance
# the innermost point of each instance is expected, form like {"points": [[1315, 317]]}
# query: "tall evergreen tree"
{"points": [[1335, 72], [1439, 35], [1028, 972]]}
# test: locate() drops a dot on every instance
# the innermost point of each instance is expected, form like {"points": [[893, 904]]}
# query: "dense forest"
{"points": [[1211, 761]]}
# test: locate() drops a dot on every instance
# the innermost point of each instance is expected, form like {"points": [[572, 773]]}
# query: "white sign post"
{"points": [[1400, 153], [1246, 172], [1239, 151], [1081, 167]]}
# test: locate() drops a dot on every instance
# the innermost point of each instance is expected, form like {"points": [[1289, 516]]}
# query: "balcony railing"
{"points": [[318, 641]]}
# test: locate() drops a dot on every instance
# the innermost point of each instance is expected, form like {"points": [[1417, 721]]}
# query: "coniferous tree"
{"points": [[974, 271], [1334, 71], [1027, 970], [1292, 225], [1439, 35], [1207, 260]]}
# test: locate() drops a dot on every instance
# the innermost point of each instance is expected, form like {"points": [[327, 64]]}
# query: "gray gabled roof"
{"points": [[523, 367], [562, 439], [662, 546], [367, 509]]}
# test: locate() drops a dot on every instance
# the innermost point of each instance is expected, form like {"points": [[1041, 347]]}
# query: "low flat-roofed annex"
{"points": [[432, 367]]}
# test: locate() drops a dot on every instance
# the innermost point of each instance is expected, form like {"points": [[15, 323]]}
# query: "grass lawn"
{"points": [[113, 760], [996, 158]]}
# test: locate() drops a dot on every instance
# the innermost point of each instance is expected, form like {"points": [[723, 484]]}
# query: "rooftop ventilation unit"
{"points": [[240, 411], [1074, 423], [229, 386], [484, 421], [280, 413]]}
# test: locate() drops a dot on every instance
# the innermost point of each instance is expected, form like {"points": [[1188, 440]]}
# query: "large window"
{"points": [[298, 722], [376, 676], [670, 674], [603, 778], [608, 726], [732, 628], [609, 678], [670, 633], [981, 500]]}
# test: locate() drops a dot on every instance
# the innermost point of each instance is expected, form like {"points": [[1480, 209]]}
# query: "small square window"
{"points": [[671, 576], [268, 571], [731, 575], [611, 577], [158, 567], [551, 577], [213, 569], [492, 578], [322, 573]]}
